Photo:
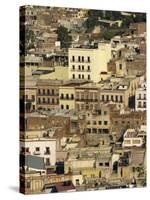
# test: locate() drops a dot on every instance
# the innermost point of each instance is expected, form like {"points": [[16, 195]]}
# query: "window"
{"points": [[44, 91], [88, 68], [48, 100], [73, 58], [120, 66], [73, 67], [82, 76], [48, 92], [82, 58], [139, 104], [52, 91], [79, 58], [94, 130], [79, 76], [107, 97], [82, 67], [94, 123], [67, 96], [116, 98], [107, 164], [100, 130], [121, 99], [62, 96], [39, 100], [43, 100], [89, 77], [33, 98], [73, 76], [88, 122], [53, 101], [102, 97], [144, 104], [28, 184], [144, 96], [62, 106], [105, 122], [88, 58], [37, 149], [77, 182], [100, 122], [47, 161], [79, 67], [100, 164], [105, 112], [112, 98], [27, 150], [72, 96], [139, 96], [39, 91], [67, 107], [47, 150]]}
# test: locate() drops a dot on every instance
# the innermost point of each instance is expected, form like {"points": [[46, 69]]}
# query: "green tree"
{"points": [[64, 37], [27, 40], [108, 34]]}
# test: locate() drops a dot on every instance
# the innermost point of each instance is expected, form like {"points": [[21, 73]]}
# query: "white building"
{"points": [[87, 63], [132, 139], [140, 98], [41, 147]]}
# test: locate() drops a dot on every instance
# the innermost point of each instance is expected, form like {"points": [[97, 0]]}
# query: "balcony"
{"points": [[47, 153], [87, 100], [80, 70], [48, 94], [81, 61], [64, 98], [25, 153], [36, 153]]}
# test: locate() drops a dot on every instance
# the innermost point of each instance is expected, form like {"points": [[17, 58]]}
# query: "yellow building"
{"points": [[88, 63]]}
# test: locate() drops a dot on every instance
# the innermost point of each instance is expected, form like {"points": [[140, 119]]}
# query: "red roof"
{"points": [[61, 187]]}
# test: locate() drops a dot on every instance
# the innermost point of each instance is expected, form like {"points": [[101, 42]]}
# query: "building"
{"points": [[67, 93], [137, 28], [86, 97], [98, 121], [131, 139], [40, 147], [88, 63], [48, 94], [28, 93], [140, 98]]}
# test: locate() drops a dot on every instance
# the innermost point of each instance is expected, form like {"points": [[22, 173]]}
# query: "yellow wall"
{"points": [[67, 90]]}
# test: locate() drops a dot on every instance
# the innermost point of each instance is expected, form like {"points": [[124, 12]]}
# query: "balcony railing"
{"points": [[48, 94], [81, 61], [64, 98], [80, 70], [36, 153], [25, 153], [47, 153], [87, 100]]}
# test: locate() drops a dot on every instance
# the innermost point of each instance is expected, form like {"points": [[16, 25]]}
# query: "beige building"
{"points": [[87, 64], [67, 93], [28, 92], [98, 121], [48, 94], [86, 97]]}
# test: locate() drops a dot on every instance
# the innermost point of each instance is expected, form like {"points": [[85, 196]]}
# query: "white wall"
{"points": [[32, 144]]}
